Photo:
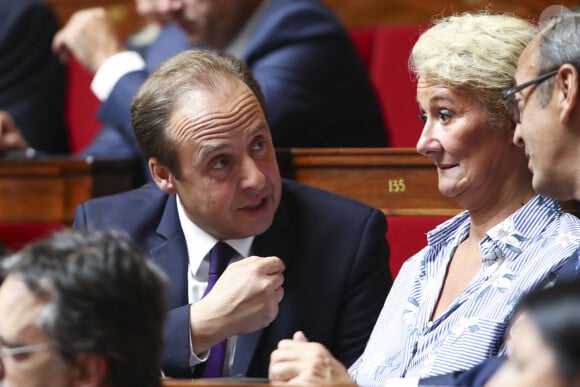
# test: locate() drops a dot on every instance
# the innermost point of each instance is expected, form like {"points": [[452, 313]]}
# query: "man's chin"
{"points": [[547, 187]]}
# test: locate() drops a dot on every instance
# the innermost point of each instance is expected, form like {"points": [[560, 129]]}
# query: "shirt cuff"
{"points": [[195, 359], [403, 382], [112, 70]]}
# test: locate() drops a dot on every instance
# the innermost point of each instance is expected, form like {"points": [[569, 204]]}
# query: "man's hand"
{"points": [[90, 36], [243, 300], [10, 137], [300, 362]]}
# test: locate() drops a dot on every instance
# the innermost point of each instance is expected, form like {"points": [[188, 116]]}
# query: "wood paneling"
{"points": [[369, 13], [353, 13], [396, 180], [122, 12], [47, 190], [230, 382]]}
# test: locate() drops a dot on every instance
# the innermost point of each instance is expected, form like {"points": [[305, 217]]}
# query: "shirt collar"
{"points": [[199, 242], [524, 224], [240, 42]]}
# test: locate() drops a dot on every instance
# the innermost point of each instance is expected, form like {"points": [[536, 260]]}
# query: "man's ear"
{"points": [[567, 86], [163, 178], [89, 370]]}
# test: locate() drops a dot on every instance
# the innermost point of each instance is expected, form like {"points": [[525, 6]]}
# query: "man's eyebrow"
{"points": [[214, 148], [443, 98], [261, 127], [206, 150]]}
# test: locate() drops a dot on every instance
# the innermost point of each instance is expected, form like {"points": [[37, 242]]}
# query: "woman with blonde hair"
{"points": [[451, 302]]}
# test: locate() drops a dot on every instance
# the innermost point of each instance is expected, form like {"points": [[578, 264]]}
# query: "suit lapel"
{"points": [[169, 251], [276, 241]]}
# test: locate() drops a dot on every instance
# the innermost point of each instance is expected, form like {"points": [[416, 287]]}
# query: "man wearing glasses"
{"points": [[80, 309], [545, 104]]}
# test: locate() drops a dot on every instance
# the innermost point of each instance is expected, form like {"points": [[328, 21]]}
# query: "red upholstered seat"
{"points": [[385, 50], [81, 107], [396, 90], [407, 235], [16, 235], [363, 39]]}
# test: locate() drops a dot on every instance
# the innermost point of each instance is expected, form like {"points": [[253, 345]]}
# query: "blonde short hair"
{"points": [[473, 52]]}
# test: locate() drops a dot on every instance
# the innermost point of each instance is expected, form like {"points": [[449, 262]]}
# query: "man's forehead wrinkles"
{"points": [[242, 110]]}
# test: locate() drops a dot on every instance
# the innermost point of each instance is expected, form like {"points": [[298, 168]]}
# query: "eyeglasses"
{"points": [[13, 351], [22, 350], [509, 96]]}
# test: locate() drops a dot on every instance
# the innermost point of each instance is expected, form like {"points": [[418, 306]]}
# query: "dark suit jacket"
{"points": [[479, 375], [474, 377], [32, 80], [317, 89], [336, 276]]}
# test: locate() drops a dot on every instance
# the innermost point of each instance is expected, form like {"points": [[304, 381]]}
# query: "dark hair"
{"points": [[102, 297], [157, 97], [558, 45], [556, 313]]}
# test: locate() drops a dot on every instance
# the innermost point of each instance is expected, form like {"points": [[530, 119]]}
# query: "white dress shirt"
{"points": [[199, 243]]}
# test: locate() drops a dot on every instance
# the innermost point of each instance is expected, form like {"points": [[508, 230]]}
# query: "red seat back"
{"points": [[395, 88], [16, 235], [407, 235], [363, 39], [81, 107]]}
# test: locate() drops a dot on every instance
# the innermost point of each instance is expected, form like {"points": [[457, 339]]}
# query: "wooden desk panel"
{"points": [[397, 180], [353, 13], [49, 189], [123, 13], [370, 13], [234, 382], [210, 383], [42, 191]]}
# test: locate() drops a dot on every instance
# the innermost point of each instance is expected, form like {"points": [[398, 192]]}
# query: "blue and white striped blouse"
{"points": [[518, 253]]}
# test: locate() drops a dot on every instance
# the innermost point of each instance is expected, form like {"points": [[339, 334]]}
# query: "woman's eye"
{"points": [[444, 115], [423, 117]]}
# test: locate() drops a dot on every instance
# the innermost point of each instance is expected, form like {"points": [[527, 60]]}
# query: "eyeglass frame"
{"points": [[508, 95], [22, 350]]}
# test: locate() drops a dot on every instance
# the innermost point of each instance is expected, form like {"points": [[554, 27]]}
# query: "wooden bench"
{"points": [[399, 181], [49, 189], [402, 183], [39, 196]]}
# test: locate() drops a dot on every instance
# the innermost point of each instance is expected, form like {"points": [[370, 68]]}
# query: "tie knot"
{"points": [[219, 256]]}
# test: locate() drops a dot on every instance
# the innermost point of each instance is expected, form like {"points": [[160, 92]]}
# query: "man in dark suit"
{"points": [[548, 126], [304, 259], [317, 89], [32, 80], [81, 309]]}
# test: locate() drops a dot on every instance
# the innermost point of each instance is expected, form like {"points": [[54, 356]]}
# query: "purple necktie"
{"points": [[219, 256]]}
